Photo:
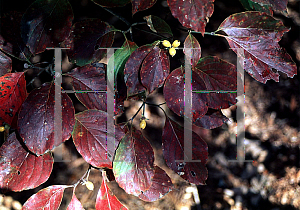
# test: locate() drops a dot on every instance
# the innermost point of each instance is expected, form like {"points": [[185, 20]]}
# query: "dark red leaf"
{"points": [[210, 74], [158, 25], [48, 198], [212, 119], [155, 69], [195, 54], [90, 78], [132, 68], [21, 170], [12, 94], [139, 5], [173, 150], [75, 204], [87, 38], [5, 61], [46, 24], [106, 200], [258, 34], [133, 163], [111, 3], [36, 119], [161, 185], [266, 5], [90, 137], [192, 14]]}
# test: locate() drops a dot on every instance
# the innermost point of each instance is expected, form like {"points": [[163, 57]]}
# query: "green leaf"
{"points": [[121, 56], [158, 25], [267, 6]]}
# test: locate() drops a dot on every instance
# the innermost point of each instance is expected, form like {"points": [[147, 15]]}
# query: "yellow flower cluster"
{"points": [[172, 50]]}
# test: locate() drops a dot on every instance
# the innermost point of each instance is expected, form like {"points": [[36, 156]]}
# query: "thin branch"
{"points": [[118, 16]]}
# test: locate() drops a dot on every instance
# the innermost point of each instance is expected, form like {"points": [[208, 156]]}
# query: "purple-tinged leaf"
{"points": [[161, 185], [46, 24], [266, 6], [75, 204], [139, 5], [132, 69], [111, 3], [90, 78], [192, 14], [106, 200], [90, 137], [190, 43], [47, 199], [21, 170], [258, 34], [5, 61], [158, 25], [36, 119], [155, 69], [87, 38], [173, 150], [133, 163], [212, 119], [12, 94]]}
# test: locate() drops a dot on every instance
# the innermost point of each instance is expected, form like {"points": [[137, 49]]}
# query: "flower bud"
{"points": [[172, 51], [166, 43], [143, 124], [2, 129], [176, 43], [89, 185]]}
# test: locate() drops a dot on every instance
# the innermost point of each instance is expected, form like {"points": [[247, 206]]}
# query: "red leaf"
{"points": [[89, 136], [173, 149], [21, 170], [212, 119], [139, 5], [47, 199], [210, 74], [36, 119], [155, 69], [192, 14], [46, 24], [258, 35], [90, 78], [106, 200], [132, 68], [75, 204], [13, 93], [5, 61], [133, 163], [161, 185], [279, 6], [191, 42], [87, 38]]}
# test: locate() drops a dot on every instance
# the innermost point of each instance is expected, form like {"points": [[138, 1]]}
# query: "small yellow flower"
{"points": [[176, 43], [143, 124], [2, 129], [172, 51], [166, 43], [89, 185]]}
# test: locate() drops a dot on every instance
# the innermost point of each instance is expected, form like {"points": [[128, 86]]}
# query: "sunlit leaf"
{"points": [[192, 14], [21, 170], [46, 23], [190, 43], [90, 77], [139, 5], [132, 68], [12, 94], [173, 149], [90, 138], [155, 69], [161, 185], [87, 39], [106, 200], [133, 163], [111, 3], [158, 25], [257, 35], [75, 204], [36, 119], [47, 198], [121, 56]]}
